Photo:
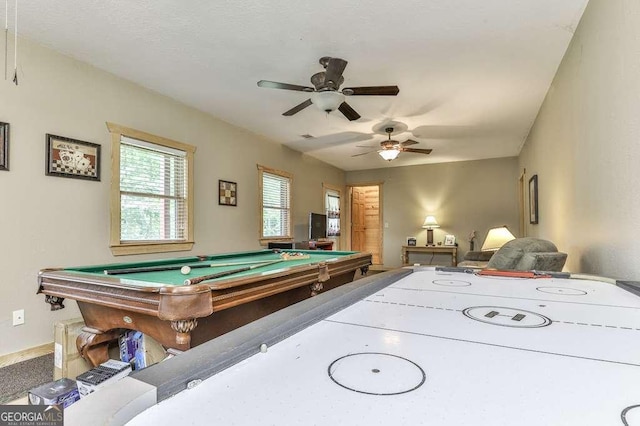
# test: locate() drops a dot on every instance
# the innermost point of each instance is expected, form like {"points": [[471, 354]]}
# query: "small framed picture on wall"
{"points": [[72, 158], [4, 146], [533, 199], [227, 193]]}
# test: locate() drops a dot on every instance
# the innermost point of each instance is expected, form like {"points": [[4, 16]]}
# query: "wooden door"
{"points": [[357, 219]]}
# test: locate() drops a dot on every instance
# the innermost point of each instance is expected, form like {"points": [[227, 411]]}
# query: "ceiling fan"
{"points": [[326, 94], [391, 149]]}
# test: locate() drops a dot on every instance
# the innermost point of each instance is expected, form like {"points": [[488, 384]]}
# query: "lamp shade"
{"points": [[389, 154], [327, 101], [496, 238], [430, 222]]}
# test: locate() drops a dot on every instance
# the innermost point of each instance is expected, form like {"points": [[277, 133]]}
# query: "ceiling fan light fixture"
{"points": [[327, 101], [389, 154]]}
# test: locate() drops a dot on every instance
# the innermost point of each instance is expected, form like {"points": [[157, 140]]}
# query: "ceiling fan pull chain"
{"points": [[15, 47], [6, 36]]}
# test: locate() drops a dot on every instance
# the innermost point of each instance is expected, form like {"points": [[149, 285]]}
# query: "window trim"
{"points": [[118, 248], [261, 170]]}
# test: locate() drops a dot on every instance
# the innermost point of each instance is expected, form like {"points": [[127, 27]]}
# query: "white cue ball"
{"points": [[185, 270]]}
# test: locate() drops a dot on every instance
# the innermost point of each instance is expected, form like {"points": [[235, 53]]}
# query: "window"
{"points": [[275, 206], [151, 193]]}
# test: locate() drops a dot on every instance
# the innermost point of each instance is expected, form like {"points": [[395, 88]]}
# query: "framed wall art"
{"points": [[227, 193], [533, 199], [4, 146], [72, 158]]}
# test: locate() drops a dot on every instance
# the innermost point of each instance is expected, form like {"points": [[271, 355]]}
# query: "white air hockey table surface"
{"points": [[439, 348]]}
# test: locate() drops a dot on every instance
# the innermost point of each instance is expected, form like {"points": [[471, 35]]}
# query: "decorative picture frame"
{"points": [[449, 240], [227, 193], [411, 241], [4, 146], [72, 158], [533, 199]]}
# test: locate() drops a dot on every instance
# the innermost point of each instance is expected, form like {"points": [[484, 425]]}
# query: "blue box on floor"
{"points": [[62, 391], [132, 349]]}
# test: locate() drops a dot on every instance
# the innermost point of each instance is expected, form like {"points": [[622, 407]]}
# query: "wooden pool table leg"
{"points": [[93, 345], [54, 301], [184, 329]]}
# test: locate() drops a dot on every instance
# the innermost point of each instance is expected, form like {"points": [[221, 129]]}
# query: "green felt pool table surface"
{"points": [[180, 315], [230, 262]]}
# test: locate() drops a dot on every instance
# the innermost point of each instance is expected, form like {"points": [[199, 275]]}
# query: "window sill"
{"points": [[147, 248], [266, 241]]}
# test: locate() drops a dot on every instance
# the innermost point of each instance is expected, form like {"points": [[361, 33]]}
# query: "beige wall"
{"points": [[463, 196], [585, 145], [50, 221]]}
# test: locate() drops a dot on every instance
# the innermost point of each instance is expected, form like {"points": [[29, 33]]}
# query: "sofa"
{"points": [[520, 254], [476, 259]]}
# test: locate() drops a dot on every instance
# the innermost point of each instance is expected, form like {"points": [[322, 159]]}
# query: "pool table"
{"points": [[152, 296]]}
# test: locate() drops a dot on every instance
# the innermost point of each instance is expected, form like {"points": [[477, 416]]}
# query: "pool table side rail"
{"points": [[143, 301]]}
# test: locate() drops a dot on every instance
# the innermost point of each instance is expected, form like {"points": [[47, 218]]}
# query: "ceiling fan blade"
{"points": [[449, 132], [285, 86], [348, 112], [335, 68], [298, 108], [366, 146], [417, 150], [371, 91], [364, 153], [409, 142]]}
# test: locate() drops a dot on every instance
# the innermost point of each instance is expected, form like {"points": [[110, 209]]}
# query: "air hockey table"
{"points": [[421, 345]]}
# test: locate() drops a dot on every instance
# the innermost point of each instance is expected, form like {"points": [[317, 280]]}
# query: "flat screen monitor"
{"points": [[317, 226]]}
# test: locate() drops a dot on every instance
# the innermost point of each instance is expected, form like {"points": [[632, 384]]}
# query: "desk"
{"points": [[181, 316], [302, 245], [452, 250], [410, 346]]}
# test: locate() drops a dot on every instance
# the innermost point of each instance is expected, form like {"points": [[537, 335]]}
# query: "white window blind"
{"points": [[153, 192], [276, 209]]}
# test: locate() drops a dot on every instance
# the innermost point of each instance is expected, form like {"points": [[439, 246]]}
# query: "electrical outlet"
{"points": [[18, 317]]}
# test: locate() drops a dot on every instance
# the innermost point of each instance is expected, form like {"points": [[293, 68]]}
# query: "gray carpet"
{"points": [[17, 379]]}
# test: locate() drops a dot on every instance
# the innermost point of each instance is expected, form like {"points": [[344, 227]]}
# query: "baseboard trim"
{"points": [[27, 354]]}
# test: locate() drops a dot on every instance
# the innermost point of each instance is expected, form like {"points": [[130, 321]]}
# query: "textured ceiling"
{"points": [[472, 74]]}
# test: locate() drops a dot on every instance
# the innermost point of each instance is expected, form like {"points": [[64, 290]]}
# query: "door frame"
{"points": [[347, 228], [522, 207], [340, 190]]}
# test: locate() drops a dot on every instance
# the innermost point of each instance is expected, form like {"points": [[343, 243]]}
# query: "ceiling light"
{"points": [[328, 100], [389, 154]]}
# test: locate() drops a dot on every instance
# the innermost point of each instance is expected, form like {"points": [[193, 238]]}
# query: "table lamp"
{"points": [[496, 238], [430, 222]]}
